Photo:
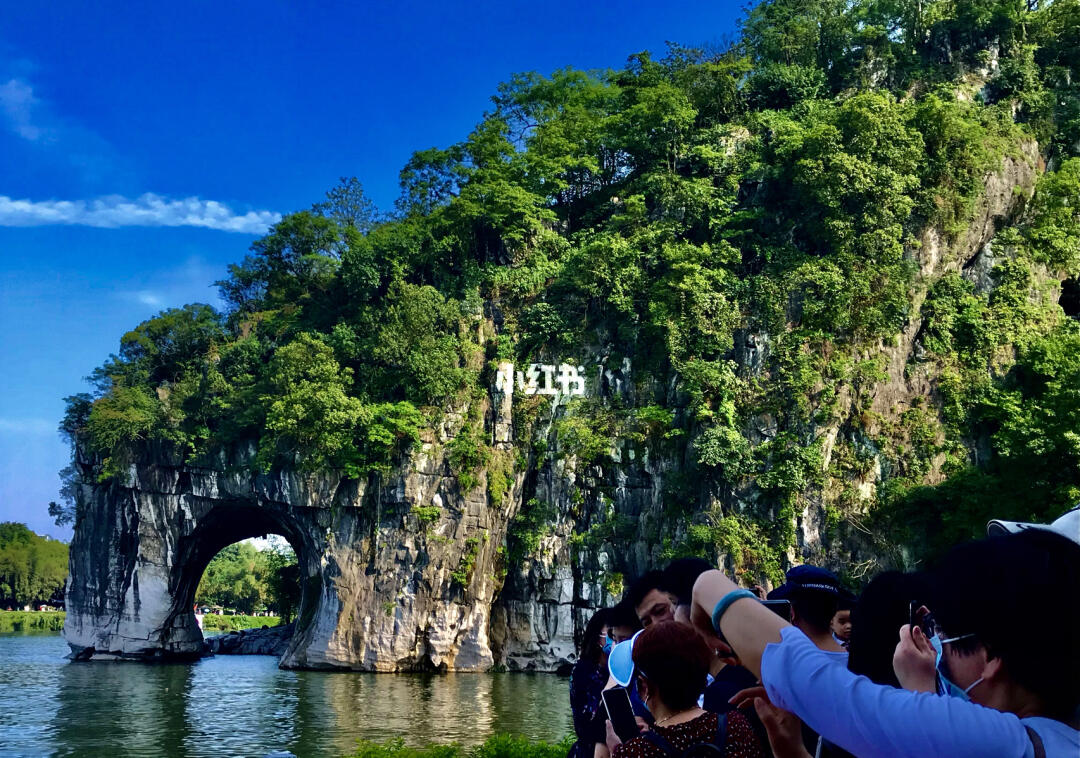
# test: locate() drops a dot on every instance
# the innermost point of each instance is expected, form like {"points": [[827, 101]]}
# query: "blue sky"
{"points": [[143, 147]]}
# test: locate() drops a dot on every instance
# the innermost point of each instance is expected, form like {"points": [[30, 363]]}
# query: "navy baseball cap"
{"points": [[807, 577]]}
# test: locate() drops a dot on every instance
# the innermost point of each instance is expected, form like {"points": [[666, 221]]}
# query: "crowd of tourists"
{"points": [[978, 658]]}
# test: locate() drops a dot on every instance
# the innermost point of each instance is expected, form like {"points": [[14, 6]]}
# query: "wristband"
{"points": [[725, 603]]}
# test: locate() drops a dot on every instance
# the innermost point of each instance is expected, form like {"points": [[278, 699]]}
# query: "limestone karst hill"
{"points": [[812, 297]]}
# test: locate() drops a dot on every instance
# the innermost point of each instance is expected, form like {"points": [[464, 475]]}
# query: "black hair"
{"points": [[590, 642], [623, 614], [884, 607], [646, 583], [815, 608], [991, 587], [680, 575]]}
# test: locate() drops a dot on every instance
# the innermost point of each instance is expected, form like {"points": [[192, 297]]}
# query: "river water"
{"points": [[246, 706]]}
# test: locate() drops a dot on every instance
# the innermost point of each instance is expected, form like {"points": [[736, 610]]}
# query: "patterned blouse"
{"points": [[741, 740]]}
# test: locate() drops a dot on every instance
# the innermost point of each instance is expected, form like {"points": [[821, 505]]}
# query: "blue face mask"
{"points": [[945, 685], [610, 643]]}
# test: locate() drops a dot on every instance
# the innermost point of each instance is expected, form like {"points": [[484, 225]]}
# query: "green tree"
{"points": [[33, 569], [235, 578], [311, 419]]}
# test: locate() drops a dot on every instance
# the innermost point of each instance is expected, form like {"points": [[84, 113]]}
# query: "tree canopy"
{"points": [[245, 579], [33, 569]]}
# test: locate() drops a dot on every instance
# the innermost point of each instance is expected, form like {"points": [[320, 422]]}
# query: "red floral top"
{"points": [[741, 740]]}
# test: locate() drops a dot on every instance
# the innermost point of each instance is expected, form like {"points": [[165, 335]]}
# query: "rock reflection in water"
{"points": [[463, 708], [246, 706]]}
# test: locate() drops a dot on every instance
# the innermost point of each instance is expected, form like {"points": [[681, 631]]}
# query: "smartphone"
{"points": [[620, 712], [781, 608], [919, 615]]}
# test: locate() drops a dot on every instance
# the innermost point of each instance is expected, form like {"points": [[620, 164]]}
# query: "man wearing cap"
{"points": [[814, 593]]}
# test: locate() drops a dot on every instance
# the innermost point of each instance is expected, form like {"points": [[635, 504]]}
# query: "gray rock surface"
{"points": [[273, 640]]}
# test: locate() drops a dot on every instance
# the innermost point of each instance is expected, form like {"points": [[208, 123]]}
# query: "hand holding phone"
{"points": [[920, 616], [620, 712]]}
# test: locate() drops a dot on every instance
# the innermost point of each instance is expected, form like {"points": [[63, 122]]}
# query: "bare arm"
{"points": [[748, 626]]}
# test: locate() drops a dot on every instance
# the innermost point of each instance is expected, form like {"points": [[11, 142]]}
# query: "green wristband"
{"points": [[725, 603]]}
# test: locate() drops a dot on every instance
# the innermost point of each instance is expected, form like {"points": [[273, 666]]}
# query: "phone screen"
{"points": [[781, 608], [620, 713]]}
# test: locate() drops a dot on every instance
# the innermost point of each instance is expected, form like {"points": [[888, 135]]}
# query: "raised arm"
{"points": [[747, 625], [867, 719]]}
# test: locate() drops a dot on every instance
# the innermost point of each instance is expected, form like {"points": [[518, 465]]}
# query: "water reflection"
{"points": [[246, 706], [105, 710]]}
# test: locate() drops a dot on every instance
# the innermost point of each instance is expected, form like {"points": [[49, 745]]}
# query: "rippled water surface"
{"points": [[246, 706]]}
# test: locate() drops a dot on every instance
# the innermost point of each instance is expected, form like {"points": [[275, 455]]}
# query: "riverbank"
{"points": [[497, 746], [31, 621], [214, 623], [53, 621]]}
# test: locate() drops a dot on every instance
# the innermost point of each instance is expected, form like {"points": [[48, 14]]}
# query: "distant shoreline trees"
{"points": [[245, 579], [33, 568]]}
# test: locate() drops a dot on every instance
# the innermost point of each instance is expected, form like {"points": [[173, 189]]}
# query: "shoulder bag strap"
{"points": [[721, 730], [1036, 740], [661, 742]]}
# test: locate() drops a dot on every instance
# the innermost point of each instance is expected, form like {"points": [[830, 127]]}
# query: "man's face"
{"points": [[841, 625], [655, 607]]}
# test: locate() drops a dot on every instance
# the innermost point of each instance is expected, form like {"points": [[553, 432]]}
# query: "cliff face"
{"points": [[409, 571]]}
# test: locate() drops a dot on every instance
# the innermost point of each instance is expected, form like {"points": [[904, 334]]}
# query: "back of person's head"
{"points": [[623, 618], [591, 644], [813, 593], [680, 575], [674, 660], [994, 589], [813, 609], [882, 608]]}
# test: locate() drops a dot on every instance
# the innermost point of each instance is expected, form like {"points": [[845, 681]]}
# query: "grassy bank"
{"points": [[31, 621], [499, 746], [53, 621], [212, 623]]}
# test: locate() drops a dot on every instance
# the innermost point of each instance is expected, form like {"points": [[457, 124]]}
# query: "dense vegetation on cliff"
{"points": [[743, 224]]}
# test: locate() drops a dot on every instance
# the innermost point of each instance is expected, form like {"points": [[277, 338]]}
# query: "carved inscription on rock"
{"points": [[542, 379]]}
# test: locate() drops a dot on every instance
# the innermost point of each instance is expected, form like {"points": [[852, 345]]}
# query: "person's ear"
{"points": [[993, 670]]}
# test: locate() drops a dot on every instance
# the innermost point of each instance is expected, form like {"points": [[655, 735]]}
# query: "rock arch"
{"points": [[381, 589], [225, 524]]}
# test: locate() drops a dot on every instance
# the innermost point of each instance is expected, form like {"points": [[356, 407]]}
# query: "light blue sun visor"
{"points": [[621, 662]]}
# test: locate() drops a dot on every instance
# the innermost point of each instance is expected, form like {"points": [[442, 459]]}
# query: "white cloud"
{"points": [[148, 298], [18, 103], [34, 426], [149, 209]]}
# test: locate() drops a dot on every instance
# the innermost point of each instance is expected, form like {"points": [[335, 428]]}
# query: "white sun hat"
{"points": [[1067, 525]]}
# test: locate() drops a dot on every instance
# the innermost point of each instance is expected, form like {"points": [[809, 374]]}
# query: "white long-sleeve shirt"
{"points": [[871, 720]]}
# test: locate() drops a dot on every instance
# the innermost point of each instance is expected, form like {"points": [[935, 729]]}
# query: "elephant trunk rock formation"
{"points": [[411, 569]]}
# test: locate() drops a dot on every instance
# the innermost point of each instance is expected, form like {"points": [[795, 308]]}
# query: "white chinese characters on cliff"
{"points": [[542, 379]]}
